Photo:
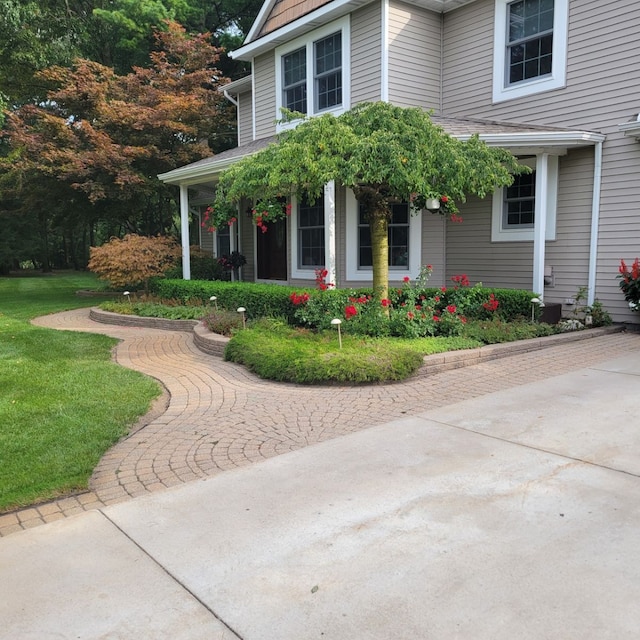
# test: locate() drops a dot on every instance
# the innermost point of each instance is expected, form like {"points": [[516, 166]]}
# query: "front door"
{"points": [[272, 251]]}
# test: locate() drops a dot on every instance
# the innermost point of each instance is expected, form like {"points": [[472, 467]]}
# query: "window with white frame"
{"points": [[530, 47], [294, 81], [405, 242], [311, 235], [514, 207], [398, 232], [313, 71]]}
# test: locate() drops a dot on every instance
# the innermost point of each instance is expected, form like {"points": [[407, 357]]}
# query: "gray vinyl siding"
{"points": [[245, 119], [601, 92], [265, 98], [206, 240], [341, 236], [471, 252], [366, 54], [433, 246], [414, 56]]}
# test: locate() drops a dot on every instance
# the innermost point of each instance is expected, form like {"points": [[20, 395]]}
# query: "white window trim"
{"points": [[397, 273], [499, 234], [556, 80], [342, 25], [329, 238]]}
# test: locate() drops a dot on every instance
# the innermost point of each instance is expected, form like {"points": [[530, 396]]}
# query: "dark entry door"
{"points": [[272, 251]]}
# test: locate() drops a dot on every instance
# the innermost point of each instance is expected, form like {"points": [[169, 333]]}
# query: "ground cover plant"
{"points": [[63, 402], [276, 351]]}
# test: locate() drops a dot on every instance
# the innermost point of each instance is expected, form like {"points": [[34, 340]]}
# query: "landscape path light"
{"points": [[244, 320], [336, 322], [535, 302], [214, 299], [127, 295]]}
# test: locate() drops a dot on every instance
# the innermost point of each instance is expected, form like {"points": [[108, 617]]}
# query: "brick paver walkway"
{"points": [[220, 416]]}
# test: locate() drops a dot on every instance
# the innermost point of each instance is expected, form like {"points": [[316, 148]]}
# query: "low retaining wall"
{"points": [[107, 317], [214, 344], [456, 359]]}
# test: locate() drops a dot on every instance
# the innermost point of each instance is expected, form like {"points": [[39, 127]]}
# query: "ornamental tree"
{"points": [[385, 154]]}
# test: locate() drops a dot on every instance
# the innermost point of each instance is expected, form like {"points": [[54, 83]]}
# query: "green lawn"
{"points": [[63, 402]]}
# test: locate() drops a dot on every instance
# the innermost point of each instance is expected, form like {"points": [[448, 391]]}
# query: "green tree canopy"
{"points": [[384, 153]]}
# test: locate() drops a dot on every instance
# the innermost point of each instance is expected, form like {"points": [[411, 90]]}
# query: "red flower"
{"points": [[385, 302], [443, 289], [436, 318], [297, 300], [451, 308], [350, 311], [456, 218], [444, 199], [437, 298], [463, 319], [429, 267], [410, 315], [492, 303], [406, 279]]}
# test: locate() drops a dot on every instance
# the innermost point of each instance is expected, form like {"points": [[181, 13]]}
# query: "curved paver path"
{"points": [[220, 416]]}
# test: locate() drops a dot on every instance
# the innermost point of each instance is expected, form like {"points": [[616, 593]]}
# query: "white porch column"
{"points": [[184, 232], [595, 223], [330, 230], [540, 222]]}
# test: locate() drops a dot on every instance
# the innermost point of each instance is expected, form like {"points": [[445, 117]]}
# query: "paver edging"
{"points": [[108, 317], [439, 362], [214, 344]]}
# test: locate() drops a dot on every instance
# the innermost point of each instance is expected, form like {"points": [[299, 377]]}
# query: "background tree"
{"points": [[103, 138], [383, 153]]}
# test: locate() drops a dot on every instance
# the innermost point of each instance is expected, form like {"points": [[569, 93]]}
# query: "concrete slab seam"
{"points": [[170, 575]]}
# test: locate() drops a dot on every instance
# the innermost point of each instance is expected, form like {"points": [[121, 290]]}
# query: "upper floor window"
{"points": [[328, 71], [294, 81], [312, 72], [530, 47]]}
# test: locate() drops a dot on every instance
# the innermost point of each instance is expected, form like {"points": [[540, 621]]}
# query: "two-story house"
{"points": [[554, 81]]}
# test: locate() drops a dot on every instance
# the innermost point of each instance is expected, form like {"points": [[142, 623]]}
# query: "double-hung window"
{"points": [[530, 39], [398, 236], [514, 207], [294, 81], [313, 71], [404, 237], [530, 47], [311, 251], [519, 205]]}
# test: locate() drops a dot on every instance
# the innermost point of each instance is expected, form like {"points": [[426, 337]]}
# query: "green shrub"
{"points": [[496, 330], [275, 351], [148, 309], [260, 300], [203, 267], [223, 321]]}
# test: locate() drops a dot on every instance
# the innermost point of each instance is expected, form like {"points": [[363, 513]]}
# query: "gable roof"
{"points": [[282, 20], [520, 139]]}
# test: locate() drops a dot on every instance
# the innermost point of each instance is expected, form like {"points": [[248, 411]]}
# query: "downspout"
{"points": [[384, 56], [441, 62], [595, 223], [540, 223], [230, 98]]}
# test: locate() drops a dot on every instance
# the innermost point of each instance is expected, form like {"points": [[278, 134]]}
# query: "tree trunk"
{"points": [[378, 224]]}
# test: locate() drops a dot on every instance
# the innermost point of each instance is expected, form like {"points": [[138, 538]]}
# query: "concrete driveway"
{"points": [[515, 515]]}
